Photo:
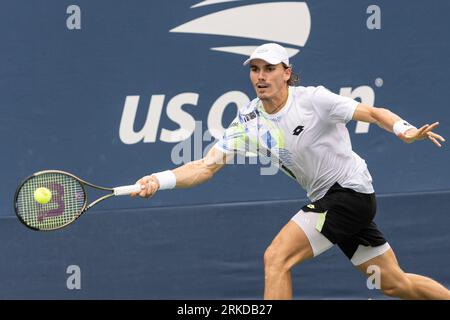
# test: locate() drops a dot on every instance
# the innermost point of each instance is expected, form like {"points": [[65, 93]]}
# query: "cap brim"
{"points": [[262, 57], [246, 62]]}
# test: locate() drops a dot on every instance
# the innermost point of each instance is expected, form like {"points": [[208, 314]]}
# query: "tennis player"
{"points": [[303, 129]]}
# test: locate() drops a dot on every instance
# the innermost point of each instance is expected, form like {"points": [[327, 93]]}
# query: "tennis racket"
{"points": [[67, 203]]}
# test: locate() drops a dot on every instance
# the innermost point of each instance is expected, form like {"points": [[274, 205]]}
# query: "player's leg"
{"points": [[297, 241], [396, 283], [289, 247]]}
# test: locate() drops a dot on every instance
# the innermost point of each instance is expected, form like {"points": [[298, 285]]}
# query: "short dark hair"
{"points": [[294, 80]]}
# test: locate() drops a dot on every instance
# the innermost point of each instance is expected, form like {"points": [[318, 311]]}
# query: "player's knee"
{"points": [[271, 257], [274, 260], [399, 286], [280, 259]]}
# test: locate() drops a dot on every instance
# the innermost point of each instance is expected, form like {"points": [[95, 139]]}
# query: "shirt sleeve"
{"points": [[332, 106], [234, 139]]}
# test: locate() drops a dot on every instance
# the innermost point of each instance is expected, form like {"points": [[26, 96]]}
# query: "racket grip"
{"points": [[126, 190]]}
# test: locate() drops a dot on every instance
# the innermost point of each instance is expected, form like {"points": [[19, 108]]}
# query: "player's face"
{"points": [[267, 79]]}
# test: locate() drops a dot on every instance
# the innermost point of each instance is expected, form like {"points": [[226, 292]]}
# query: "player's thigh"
{"points": [[299, 240], [309, 223], [384, 262], [289, 247], [387, 267]]}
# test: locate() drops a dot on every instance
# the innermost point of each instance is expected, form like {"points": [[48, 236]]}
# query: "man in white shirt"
{"points": [[303, 130]]}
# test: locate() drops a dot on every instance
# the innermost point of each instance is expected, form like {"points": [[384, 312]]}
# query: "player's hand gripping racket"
{"points": [[66, 199]]}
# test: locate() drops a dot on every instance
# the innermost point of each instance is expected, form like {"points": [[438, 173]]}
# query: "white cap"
{"points": [[270, 52]]}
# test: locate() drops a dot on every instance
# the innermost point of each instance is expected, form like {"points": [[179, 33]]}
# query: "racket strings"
{"points": [[67, 201]]}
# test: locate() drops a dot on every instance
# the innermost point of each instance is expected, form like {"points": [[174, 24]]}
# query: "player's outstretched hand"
{"points": [[422, 133], [149, 186]]}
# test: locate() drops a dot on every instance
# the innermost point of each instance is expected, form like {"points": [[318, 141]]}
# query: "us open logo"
{"points": [[252, 22]]}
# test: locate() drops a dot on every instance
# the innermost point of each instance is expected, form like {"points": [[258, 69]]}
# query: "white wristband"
{"points": [[166, 179], [401, 126]]}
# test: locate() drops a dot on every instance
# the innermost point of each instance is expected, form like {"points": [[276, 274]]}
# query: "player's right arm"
{"points": [[188, 175]]}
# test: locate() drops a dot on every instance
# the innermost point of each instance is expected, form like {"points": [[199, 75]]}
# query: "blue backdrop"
{"points": [[96, 88]]}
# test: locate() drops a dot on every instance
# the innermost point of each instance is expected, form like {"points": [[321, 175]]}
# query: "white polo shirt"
{"points": [[307, 139]]}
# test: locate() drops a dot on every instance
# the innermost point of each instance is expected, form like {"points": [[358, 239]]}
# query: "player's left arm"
{"points": [[391, 122]]}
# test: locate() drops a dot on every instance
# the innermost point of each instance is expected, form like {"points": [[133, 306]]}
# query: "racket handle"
{"points": [[126, 190]]}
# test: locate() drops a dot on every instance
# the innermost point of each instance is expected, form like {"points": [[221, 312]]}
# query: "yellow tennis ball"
{"points": [[42, 195]]}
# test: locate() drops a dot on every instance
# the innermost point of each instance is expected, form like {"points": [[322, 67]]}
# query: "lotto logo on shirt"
{"points": [[298, 130]]}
